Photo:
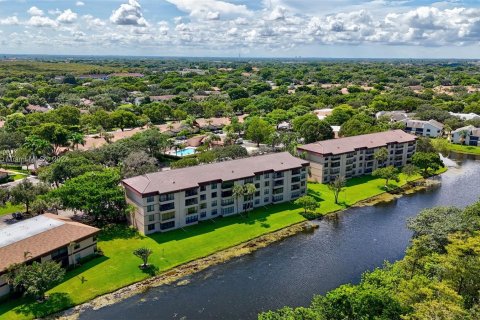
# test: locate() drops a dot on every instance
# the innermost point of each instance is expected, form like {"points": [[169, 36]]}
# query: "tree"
{"points": [[36, 146], [75, 139], [249, 190], [124, 119], [237, 192], [441, 146], [427, 160], [311, 129], [409, 170], [97, 194], [381, 155], [308, 203], [54, 133], [144, 254], [237, 93], [138, 163], [26, 192], [277, 116], [258, 130], [67, 167], [337, 186], [387, 173], [210, 139], [38, 278]]}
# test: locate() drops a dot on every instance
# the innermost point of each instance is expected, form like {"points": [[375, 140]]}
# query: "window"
{"points": [[278, 198], [150, 208], [192, 219], [213, 186], [151, 227], [257, 202], [257, 185], [267, 175], [267, 183], [203, 197], [203, 205], [266, 199], [214, 203], [167, 225], [167, 197], [228, 210], [203, 188], [227, 202], [257, 177], [168, 215], [266, 191], [150, 199], [151, 217], [191, 202], [203, 214], [278, 191], [214, 194], [168, 206], [191, 192], [248, 180], [76, 246], [214, 212], [192, 210]]}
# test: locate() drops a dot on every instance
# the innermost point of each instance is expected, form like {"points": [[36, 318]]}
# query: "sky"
{"points": [[246, 28]]}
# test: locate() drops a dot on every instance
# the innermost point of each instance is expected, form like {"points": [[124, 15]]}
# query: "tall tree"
{"points": [[38, 278], [337, 186], [258, 130], [387, 173], [36, 146], [426, 161], [26, 192]]}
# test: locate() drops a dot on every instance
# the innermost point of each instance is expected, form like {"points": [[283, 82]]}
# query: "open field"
{"points": [[119, 267]]}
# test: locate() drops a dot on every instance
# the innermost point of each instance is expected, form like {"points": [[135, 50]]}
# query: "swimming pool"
{"points": [[183, 152]]}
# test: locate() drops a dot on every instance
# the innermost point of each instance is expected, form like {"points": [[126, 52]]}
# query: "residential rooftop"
{"points": [[421, 123], [471, 130], [191, 177], [39, 236], [351, 144]]}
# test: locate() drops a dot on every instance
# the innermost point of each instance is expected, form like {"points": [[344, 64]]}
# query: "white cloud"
{"points": [[206, 9], [34, 11], [9, 21], [39, 21], [129, 14], [67, 16], [79, 3]]}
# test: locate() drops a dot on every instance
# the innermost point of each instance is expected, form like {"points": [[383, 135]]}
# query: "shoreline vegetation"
{"points": [[115, 275]]}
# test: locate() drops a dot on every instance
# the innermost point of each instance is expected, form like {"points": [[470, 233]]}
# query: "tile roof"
{"points": [[39, 236], [185, 178], [422, 123], [350, 144]]}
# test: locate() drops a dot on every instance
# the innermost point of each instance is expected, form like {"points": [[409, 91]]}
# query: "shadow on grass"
{"points": [[84, 267], [116, 231], [151, 270], [56, 301]]}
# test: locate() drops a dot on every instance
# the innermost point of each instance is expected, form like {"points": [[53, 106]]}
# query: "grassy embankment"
{"points": [[119, 267], [464, 149]]}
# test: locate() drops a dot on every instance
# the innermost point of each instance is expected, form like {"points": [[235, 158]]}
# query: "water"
{"points": [[292, 271], [184, 152]]}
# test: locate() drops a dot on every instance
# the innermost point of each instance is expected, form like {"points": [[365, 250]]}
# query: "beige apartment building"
{"points": [[43, 238], [177, 198], [354, 156]]}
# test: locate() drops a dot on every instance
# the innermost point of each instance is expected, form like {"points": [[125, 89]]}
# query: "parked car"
{"points": [[239, 141], [17, 215]]}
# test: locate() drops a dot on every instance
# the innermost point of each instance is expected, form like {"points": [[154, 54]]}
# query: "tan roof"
{"points": [[185, 178], [350, 144], [55, 233]]}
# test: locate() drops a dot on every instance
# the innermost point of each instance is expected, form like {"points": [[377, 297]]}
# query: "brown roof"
{"points": [[185, 178], [57, 232], [35, 108], [350, 144]]}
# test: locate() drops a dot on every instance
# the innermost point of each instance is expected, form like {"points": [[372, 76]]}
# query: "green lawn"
{"points": [[119, 267], [464, 149], [9, 208]]}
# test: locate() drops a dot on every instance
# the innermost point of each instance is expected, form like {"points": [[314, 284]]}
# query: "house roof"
{"points": [[350, 144], [39, 236], [471, 129], [422, 123], [186, 178]]}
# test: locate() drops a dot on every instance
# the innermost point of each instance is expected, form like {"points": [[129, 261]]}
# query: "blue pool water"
{"points": [[185, 152]]}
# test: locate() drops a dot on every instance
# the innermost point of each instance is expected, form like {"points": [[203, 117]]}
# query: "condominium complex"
{"points": [[468, 135], [44, 238], [429, 128], [174, 199], [354, 156]]}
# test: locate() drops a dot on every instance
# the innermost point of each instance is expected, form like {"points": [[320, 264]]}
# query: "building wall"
{"points": [[427, 130], [468, 141], [326, 168], [166, 212]]}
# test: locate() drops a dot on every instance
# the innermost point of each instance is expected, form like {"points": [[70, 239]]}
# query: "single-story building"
{"points": [[43, 238]]}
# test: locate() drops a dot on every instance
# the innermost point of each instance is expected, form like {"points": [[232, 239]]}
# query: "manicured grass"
{"points": [[464, 149], [119, 267], [9, 209]]}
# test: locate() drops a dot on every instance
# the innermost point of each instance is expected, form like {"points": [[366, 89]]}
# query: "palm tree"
{"points": [[237, 192], [76, 138], [463, 136], [249, 191], [381, 156], [143, 253], [211, 137], [36, 146]]}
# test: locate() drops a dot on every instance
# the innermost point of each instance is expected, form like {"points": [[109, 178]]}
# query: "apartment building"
{"points": [[354, 156], [430, 128], [469, 136], [43, 238], [177, 198]]}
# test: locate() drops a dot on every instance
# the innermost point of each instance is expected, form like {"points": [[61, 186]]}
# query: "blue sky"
{"points": [[263, 28]]}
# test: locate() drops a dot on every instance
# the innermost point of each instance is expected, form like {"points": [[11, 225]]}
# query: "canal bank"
{"points": [[289, 272]]}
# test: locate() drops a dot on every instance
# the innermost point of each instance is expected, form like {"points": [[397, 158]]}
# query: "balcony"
{"points": [[191, 192], [278, 183], [278, 175], [227, 202], [227, 185], [192, 210]]}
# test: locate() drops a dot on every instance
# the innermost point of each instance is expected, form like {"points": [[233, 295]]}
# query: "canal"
{"points": [[292, 271]]}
